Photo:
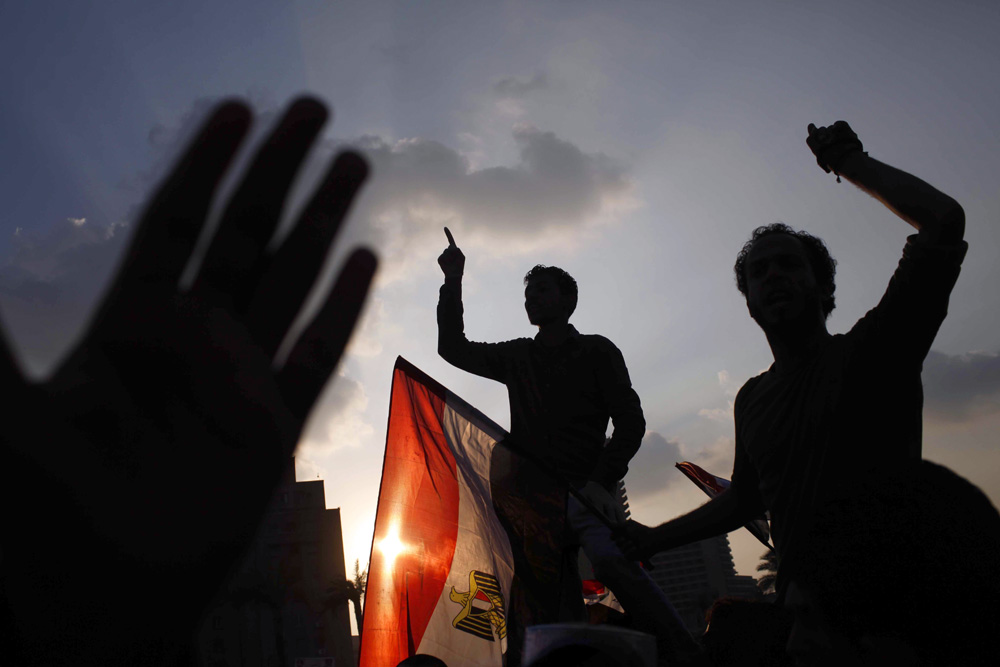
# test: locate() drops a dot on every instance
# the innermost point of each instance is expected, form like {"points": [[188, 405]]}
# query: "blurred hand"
{"points": [[831, 144], [134, 478], [451, 261]]}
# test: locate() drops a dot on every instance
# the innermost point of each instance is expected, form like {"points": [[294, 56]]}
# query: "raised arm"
{"points": [[939, 218], [479, 358], [722, 514]]}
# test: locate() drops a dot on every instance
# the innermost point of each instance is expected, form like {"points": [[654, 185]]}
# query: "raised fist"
{"points": [[831, 144], [451, 261]]}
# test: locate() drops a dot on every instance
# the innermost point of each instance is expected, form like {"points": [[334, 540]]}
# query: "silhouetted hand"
{"points": [[451, 261], [636, 540], [831, 144], [135, 477]]}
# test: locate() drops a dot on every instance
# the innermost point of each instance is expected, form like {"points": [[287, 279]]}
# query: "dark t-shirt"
{"points": [[854, 408]]}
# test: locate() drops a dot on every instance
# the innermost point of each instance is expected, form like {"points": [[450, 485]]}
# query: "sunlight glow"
{"points": [[391, 546]]}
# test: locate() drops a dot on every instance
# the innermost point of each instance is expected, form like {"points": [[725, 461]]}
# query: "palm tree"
{"points": [[769, 567], [360, 581], [350, 589]]}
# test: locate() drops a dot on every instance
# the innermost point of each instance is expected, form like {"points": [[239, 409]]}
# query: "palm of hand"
{"points": [[154, 448]]}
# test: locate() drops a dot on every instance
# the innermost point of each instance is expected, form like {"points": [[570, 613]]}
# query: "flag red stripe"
{"points": [[419, 498]]}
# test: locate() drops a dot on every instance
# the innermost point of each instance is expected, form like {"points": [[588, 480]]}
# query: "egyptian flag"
{"points": [[713, 486], [441, 565]]}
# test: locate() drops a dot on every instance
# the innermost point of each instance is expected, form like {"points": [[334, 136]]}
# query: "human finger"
{"points": [[253, 212], [451, 239], [294, 266], [175, 215], [11, 378], [319, 348], [811, 129]]}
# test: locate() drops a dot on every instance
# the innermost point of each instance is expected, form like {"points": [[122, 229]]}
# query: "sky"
{"points": [[634, 144]]}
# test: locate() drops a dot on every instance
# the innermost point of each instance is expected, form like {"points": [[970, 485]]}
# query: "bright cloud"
{"points": [[338, 419]]}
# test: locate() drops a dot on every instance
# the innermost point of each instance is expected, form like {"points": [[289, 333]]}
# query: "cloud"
{"points": [[513, 86], [553, 192], [338, 419], [652, 469], [729, 388], [49, 284], [960, 387]]}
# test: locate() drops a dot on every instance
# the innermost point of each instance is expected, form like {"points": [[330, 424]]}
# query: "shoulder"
{"points": [[597, 341], [599, 346], [515, 344], [743, 395]]}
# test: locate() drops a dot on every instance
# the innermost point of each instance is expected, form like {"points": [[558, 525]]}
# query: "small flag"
{"points": [[713, 486], [594, 592], [441, 564]]}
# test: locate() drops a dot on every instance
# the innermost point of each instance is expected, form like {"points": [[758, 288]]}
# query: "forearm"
{"points": [[722, 514], [938, 217], [625, 440], [450, 317]]}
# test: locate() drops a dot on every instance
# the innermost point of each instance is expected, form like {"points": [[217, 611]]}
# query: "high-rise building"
{"points": [[276, 610], [696, 575]]}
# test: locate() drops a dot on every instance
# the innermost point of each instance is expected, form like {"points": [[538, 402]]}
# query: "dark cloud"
{"points": [[50, 282], [958, 387], [652, 468], [513, 86], [555, 184]]}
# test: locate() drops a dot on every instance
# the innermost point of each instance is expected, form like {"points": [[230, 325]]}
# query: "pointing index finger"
{"points": [[451, 239], [811, 128]]}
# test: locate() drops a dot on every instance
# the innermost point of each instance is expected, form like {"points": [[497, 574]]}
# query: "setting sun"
{"points": [[391, 546]]}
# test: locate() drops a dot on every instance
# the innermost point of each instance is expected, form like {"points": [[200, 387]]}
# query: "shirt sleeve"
{"points": [[483, 359], [906, 320], [626, 416]]}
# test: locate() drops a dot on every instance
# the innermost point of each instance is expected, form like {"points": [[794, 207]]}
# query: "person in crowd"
{"points": [[747, 633], [563, 387], [831, 408], [904, 571]]}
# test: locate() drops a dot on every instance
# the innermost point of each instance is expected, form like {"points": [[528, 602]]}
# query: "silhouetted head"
{"points": [[906, 571], [549, 295], [785, 275]]}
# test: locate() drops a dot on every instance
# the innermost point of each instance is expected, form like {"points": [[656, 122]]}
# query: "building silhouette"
{"points": [[696, 575], [276, 610]]}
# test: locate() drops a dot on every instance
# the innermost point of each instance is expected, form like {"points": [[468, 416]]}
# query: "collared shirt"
{"points": [[561, 397]]}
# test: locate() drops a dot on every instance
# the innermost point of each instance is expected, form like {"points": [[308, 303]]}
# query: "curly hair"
{"points": [[565, 282], [824, 266]]}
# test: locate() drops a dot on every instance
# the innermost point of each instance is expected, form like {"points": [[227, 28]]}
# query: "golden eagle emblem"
{"points": [[482, 607]]}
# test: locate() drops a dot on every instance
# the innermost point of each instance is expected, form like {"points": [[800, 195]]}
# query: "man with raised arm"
{"points": [[832, 408], [563, 388]]}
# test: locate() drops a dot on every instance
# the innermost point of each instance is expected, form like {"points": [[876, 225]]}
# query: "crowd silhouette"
{"points": [[158, 441]]}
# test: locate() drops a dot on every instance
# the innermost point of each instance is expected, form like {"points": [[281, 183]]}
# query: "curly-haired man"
{"points": [[831, 408]]}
